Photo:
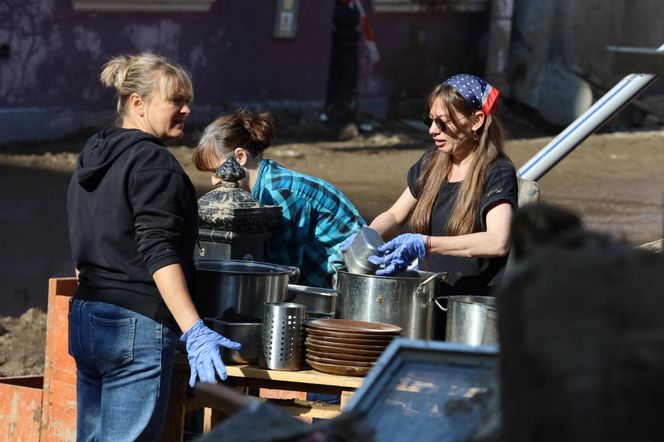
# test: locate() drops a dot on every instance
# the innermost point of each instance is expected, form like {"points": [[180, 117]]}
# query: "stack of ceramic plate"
{"points": [[346, 347]]}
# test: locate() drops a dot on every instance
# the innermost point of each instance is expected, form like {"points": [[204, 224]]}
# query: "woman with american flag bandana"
{"points": [[460, 196]]}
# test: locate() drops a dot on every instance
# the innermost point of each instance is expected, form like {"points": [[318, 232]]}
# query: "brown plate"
{"points": [[343, 345], [352, 342], [335, 334], [340, 356], [341, 350], [352, 326], [339, 361], [343, 370]]}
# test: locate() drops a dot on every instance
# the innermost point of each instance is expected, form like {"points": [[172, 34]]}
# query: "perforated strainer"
{"points": [[282, 335]]}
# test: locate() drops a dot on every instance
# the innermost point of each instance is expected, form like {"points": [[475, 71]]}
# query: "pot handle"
{"points": [[294, 274], [428, 280], [439, 305]]}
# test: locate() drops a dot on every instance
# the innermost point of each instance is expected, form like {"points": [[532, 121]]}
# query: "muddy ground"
{"points": [[614, 181]]}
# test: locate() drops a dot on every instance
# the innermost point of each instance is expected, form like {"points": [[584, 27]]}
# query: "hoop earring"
{"points": [[475, 136]]}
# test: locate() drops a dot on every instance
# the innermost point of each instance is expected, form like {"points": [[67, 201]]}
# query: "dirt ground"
{"points": [[613, 180]]}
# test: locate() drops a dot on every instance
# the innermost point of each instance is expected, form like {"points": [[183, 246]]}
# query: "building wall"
{"points": [[560, 63], [52, 57], [56, 52]]}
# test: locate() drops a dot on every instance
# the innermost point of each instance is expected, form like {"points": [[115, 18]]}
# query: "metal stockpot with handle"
{"points": [[243, 285], [471, 320], [406, 300]]}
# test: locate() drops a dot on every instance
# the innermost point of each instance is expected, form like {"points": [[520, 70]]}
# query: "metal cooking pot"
{"points": [[406, 300], [490, 334], [246, 333], [319, 302], [471, 320], [242, 285]]}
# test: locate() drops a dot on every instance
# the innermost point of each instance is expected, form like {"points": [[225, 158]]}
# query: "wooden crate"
{"points": [[43, 408], [21, 407], [59, 403]]}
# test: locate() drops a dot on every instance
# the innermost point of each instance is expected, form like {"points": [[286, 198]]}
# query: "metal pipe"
{"points": [[500, 32], [581, 128]]}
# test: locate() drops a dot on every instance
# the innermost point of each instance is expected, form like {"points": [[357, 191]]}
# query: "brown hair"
{"points": [[144, 74], [251, 131], [437, 165]]}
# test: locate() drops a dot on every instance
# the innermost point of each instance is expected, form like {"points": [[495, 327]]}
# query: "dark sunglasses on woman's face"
{"points": [[440, 124]]}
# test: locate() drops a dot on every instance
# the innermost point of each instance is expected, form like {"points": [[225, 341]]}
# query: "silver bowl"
{"points": [[246, 333], [363, 246]]}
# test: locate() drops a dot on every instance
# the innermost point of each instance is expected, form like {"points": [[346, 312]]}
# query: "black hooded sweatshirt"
{"points": [[132, 210]]}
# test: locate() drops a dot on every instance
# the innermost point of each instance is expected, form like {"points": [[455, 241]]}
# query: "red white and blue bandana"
{"points": [[475, 91]]}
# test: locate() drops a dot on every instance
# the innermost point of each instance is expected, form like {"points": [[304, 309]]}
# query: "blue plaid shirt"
{"points": [[316, 219]]}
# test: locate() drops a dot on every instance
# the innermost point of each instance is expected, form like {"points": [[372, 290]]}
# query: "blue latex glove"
{"points": [[347, 242], [399, 253], [203, 346]]}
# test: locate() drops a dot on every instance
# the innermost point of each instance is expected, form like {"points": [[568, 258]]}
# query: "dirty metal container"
{"points": [[471, 320], [406, 300], [245, 331], [356, 257], [319, 302], [242, 285], [490, 334]]}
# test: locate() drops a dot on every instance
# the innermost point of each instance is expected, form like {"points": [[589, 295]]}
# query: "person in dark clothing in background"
{"points": [[132, 228], [581, 331], [535, 226], [341, 97]]}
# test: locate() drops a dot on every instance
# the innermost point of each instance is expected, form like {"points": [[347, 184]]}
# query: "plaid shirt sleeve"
{"points": [[290, 236], [316, 219]]}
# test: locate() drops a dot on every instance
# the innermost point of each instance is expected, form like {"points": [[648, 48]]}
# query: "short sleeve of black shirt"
{"points": [[414, 172], [468, 275], [500, 184]]}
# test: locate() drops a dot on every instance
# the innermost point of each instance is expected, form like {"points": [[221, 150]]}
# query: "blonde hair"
{"points": [[437, 166], [251, 131], [144, 74]]}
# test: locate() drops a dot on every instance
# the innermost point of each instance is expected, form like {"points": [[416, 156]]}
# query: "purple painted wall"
{"points": [[421, 50], [55, 53]]}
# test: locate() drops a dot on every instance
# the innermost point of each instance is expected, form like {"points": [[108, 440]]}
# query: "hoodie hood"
{"points": [[102, 150]]}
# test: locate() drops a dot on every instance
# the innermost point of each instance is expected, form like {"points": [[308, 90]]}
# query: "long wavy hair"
{"points": [[437, 166]]}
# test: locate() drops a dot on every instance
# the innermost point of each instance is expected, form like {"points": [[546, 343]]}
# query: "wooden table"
{"points": [[253, 377], [58, 406]]}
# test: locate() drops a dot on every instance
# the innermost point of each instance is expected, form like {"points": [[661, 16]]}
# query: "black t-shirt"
{"points": [[468, 276]]}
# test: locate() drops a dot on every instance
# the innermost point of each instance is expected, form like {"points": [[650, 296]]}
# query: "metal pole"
{"points": [[591, 120], [500, 32]]}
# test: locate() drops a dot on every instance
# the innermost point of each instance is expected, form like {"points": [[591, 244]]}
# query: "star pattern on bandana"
{"points": [[475, 91]]}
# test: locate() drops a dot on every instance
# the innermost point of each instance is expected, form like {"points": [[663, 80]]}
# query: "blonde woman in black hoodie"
{"points": [[132, 227]]}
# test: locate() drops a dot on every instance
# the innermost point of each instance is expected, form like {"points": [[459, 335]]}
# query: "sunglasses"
{"points": [[440, 124]]}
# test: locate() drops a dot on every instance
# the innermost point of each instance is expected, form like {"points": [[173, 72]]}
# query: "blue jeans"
{"points": [[124, 363]]}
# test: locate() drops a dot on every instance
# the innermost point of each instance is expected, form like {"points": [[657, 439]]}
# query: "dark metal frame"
{"points": [[401, 351]]}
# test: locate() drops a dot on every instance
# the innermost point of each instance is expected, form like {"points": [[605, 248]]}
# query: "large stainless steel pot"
{"points": [[242, 285], [471, 320], [406, 300]]}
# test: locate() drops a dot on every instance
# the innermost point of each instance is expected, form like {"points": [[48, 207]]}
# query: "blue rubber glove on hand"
{"points": [[347, 242], [203, 352], [399, 253]]}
